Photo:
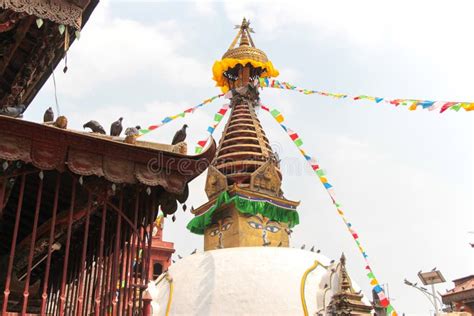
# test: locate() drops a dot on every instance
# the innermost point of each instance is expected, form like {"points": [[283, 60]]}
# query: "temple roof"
{"points": [[463, 290], [30, 48], [47, 148]]}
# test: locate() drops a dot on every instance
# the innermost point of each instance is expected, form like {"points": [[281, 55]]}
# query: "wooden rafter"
{"points": [[19, 36]]}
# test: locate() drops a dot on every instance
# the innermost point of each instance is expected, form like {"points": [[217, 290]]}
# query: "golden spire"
{"points": [[238, 56], [246, 48]]}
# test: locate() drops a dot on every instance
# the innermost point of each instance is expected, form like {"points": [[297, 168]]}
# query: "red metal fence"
{"points": [[71, 245]]}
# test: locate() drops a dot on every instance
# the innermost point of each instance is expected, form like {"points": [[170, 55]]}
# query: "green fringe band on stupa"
{"points": [[275, 213]]}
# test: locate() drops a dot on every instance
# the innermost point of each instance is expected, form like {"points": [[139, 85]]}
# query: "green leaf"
{"points": [[61, 29], [39, 22]]}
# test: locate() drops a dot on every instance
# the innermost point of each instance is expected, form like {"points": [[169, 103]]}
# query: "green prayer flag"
{"points": [[456, 107], [298, 142], [198, 150], [218, 117], [181, 114], [370, 275], [389, 309], [274, 113], [320, 172]]}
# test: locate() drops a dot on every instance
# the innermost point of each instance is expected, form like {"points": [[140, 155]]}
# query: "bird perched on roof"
{"points": [[48, 115], [194, 251], [116, 127], [180, 257], [332, 261], [94, 126], [13, 111], [180, 135], [133, 131], [312, 249], [304, 246]]}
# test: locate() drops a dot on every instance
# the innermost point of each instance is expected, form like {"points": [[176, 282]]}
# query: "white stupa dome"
{"points": [[246, 281]]}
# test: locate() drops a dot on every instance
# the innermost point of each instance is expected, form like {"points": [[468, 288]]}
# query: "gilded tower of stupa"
{"points": [[246, 205], [247, 266]]}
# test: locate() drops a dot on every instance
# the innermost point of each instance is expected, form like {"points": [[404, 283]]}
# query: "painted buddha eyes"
{"points": [[255, 225], [217, 228], [272, 229], [226, 226], [214, 232]]}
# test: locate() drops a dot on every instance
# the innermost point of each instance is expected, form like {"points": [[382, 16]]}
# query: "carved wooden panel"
{"points": [[266, 178], [216, 182]]}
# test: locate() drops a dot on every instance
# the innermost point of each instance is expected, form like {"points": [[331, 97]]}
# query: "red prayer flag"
{"points": [[294, 136], [446, 106], [395, 102], [315, 167], [152, 127], [384, 302], [265, 108], [202, 143]]}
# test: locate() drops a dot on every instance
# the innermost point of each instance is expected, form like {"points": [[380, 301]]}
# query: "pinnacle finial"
{"points": [[343, 259], [244, 34]]}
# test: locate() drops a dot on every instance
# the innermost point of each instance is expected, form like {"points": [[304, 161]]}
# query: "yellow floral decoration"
{"points": [[223, 65]]}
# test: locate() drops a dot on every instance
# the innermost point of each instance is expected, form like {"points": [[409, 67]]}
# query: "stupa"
{"points": [[247, 266]]}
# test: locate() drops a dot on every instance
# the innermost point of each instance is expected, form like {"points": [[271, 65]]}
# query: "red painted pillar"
{"points": [[161, 251], [147, 310]]}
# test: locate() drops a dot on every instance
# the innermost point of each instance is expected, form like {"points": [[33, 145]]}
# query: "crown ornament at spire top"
{"points": [[244, 32]]}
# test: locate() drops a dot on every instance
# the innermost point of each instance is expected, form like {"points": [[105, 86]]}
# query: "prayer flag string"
{"points": [[412, 104], [295, 138], [168, 119], [211, 128]]}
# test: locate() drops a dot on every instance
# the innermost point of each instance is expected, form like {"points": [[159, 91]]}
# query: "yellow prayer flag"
{"points": [[412, 107], [468, 106], [374, 282], [279, 118], [323, 179]]}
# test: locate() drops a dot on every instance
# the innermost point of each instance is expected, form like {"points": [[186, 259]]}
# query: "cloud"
{"points": [[404, 178], [122, 51]]}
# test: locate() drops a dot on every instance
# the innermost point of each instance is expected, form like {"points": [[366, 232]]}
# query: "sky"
{"points": [[405, 179]]}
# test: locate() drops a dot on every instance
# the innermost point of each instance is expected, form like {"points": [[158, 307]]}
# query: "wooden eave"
{"points": [[48, 148], [32, 53]]}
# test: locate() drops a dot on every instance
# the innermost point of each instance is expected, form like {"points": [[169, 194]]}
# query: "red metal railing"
{"points": [[73, 247]]}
